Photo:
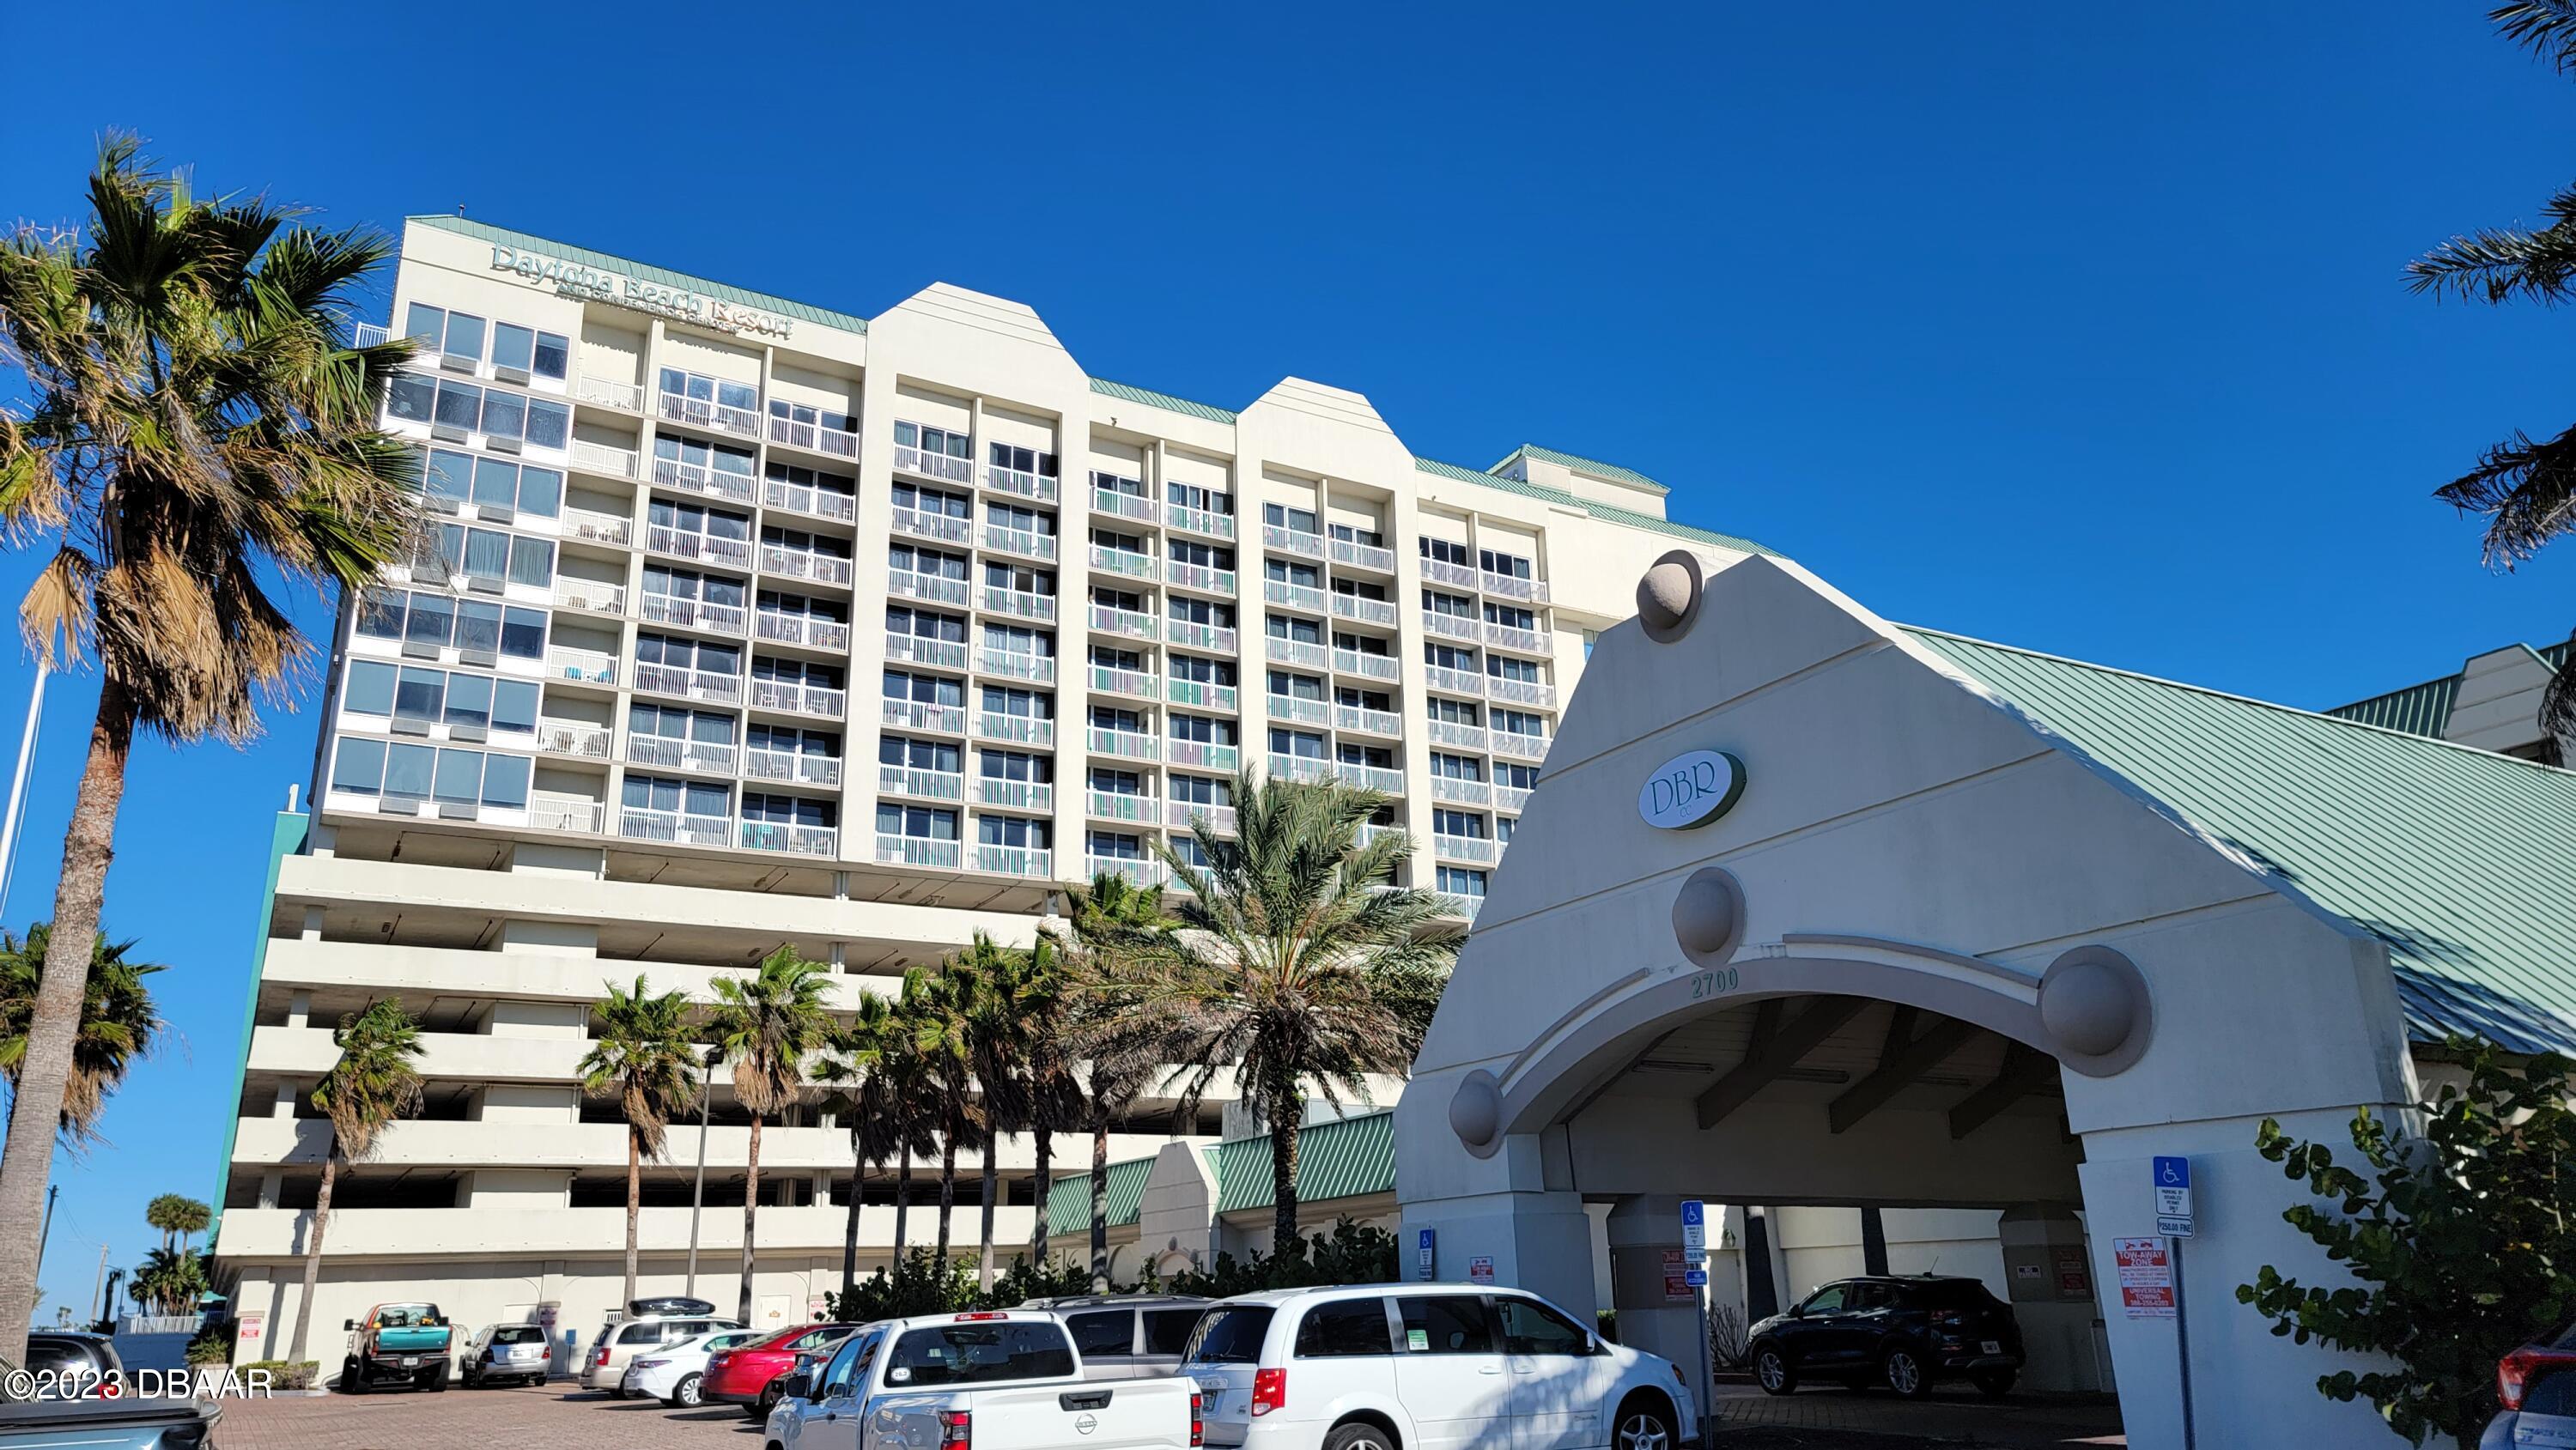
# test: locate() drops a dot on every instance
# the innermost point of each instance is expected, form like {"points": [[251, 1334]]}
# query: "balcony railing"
{"points": [[1520, 747], [1299, 767], [693, 684], [1018, 481], [609, 393], [1521, 692], [694, 614], [1012, 665], [1367, 721], [1111, 680], [1032, 861], [1513, 586], [549, 811], [1511, 800], [802, 699], [700, 479], [1199, 521], [1361, 609], [589, 666], [1457, 904], [1295, 652], [1189, 634], [805, 629], [1027, 543], [1351, 553], [1203, 754], [821, 568], [937, 785], [590, 594], [685, 544], [1366, 665], [1292, 541], [706, 413], [569, 737], [795, 840], [1370, 777], [638, 824], [813, 437], [894, 850], [1282, 594], [908, 459], [1019, 603], [1453, 733], [1450, 626], [1522, 641], [674, 753], [1201, 695], [1016, 729], [1179, 815], [1454, 682], [602, 459], [1125, 562], [929, 588], [1441, 571], [1122, 504], [794, 767], [1137, 871], [1298, 711], [922, 523], [1204, 578], [1476, 850], [1450, 790], [1125, 623], [1014, 795], [1110, 805], [1124, 744], [599, 528], [924, 715], [802, 498], [914, 649]]}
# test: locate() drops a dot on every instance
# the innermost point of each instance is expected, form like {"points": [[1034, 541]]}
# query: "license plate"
{"points": [[1992, 1346], [411, 1361]]}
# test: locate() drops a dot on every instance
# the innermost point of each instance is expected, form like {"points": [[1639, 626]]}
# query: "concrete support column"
{"points": [[284, 1105], [299, 1009], [271, 1182], [2048, 1273], [1644, 1229]]}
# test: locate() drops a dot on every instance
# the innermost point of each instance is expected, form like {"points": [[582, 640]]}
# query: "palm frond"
{"points": [[2546, 28], [2501, 264], [2525, 490]]}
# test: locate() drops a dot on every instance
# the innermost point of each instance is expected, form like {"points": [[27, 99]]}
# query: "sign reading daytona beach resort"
{"points": [[1690, 790], [572, 279]]}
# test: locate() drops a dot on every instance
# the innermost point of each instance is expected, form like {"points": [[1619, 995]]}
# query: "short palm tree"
{"points": [[192, 432], [1114, 924], [373, 1083], [767, 1025], [937, 1007], [119, 1022], [1298, 962], [171, 1281], [644, 1057], [179, 1217], [872, 1062]]}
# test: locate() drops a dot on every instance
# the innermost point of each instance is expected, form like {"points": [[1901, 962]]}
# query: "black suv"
{"points": [[1902, 1332]]}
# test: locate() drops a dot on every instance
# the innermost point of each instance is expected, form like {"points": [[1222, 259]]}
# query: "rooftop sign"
{"points": [[589, 284]]}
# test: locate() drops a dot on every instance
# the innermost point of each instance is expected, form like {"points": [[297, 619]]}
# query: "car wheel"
{"points": [[1994, 1384], [1771, 1371], [352, 1382], [1902, 1369], [1643, 1425], [1358, 1435], [687, 1394], [435, 1382]]}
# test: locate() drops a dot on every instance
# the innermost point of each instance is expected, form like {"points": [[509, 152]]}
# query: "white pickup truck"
{"points": [[997, 1380]]}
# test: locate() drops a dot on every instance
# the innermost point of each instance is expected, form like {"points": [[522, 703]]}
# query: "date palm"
{"points": [[937, 1007], [1298, 962], [873, 1062], [1007, 1014], [373, 1083], [643, 1056], [767, 1025], [171, 1280], [191, 432], [1113, 923], [119, 1023]]}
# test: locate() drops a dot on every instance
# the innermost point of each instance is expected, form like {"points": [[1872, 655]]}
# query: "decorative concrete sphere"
{"points": [[1476, 1110], [1668, 596], [2089, 1004], [1708, 915]]}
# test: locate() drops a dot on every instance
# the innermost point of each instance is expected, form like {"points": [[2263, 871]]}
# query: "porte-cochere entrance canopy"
{"points": [[2015, 877]]}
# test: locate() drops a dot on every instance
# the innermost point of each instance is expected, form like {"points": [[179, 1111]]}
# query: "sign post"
{"points": [[1695, 1278], [2174, 1220], [1426, 1252]]}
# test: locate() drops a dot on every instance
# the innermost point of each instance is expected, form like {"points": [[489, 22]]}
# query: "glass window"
{"points": [[460, 777], [514, 705], [407, 770], [464, 336], [550, 424], [469, 700], [411, 397], [448, 478], [420, 694], [1530, 1327], [1827, 1300], [955, 1354], [553, 353], [1445, 1324], [380, 613], [478, 625], [523, 633], [425, 322], [1229, 1334], [487, 554], [1352, 1327], [1167, 1330], [532, 561], [540, 492], [359, 765], [505, 781], [370, 690], [1104, 1333], [432, 621], [513, 346]]}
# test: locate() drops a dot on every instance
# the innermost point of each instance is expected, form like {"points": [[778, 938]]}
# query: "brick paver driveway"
{"points": [[558, 1417], [1832, 1419]]}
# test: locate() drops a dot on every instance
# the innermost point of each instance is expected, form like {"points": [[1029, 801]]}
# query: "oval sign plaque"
{"points": [[1690, 790]]}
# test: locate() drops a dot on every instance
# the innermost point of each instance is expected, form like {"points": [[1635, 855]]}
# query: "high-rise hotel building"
{"points": [[740, 622]]}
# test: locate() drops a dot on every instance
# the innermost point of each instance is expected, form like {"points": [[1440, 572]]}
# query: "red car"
{"points": [[748, 1374]]}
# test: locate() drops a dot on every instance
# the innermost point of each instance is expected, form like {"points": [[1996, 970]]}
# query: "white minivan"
{"points": [[1425, 1367]]}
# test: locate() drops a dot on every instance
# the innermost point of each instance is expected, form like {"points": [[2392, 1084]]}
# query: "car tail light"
{"points": [[601, 1360], [2515, 1370], [1198, 1427], [1269, 1390], [981, 1314], [956, 1429]]}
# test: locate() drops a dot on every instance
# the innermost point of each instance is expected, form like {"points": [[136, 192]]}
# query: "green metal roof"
{"points": [[1068, 1208], [801, 311], [2425, 709], [2456, 858], [1609, 512], [1341, 1159], [1165, 401], [1580, 464]]}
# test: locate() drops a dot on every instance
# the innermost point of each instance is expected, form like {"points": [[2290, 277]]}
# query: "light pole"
{"points": [[698, 1190], [18, 782]]}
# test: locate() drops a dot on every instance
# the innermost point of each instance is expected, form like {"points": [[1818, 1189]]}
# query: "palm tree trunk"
{"points": [[947, 1188], [991, 1183], [1286, 1107], [1045, 1186], [902, 1202], [850, 1227], [634, 1203], [313, 1255], [1100, 1202], [62, 989], [750, 1202]]}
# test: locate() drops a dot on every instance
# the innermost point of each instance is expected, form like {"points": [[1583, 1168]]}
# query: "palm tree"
{"points": [[938, 1005], [767, 1024], [1005, 1013], [177, 1216], [1051, 1083], [372, 1084], [1298, 962], [119, 1022], [193, 433], [1113, 922], [873, 1062], [171, 1281], [644, 1056]]}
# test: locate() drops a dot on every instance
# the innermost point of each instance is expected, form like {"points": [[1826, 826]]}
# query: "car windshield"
{"points": [[977, 1353], [1229, 1334], [519, 1334]]}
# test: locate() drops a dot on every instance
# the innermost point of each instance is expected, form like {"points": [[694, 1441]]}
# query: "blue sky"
{"points": [[2075, 327]]}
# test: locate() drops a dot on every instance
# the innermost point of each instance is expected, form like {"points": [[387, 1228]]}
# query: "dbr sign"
{"points": [[1690, 790]]}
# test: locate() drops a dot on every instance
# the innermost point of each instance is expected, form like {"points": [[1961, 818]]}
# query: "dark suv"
{"points": [[1902, 1332]]}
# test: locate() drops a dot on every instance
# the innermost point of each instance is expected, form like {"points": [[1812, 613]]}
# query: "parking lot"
{"points": [[558, 1418]]}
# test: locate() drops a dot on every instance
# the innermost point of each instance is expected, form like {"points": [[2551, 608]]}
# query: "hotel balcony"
{"points": [[603, 460], [1123, 744], [929, 588], [683, 544], [1200, 695], [1036, 669], [1450, 790], [582, 666], [673, 828], [1359, 609], [552, 811], [1292, 541], [1521, 692], [1122, 504], [1474, 850], [1454, 682], [1295, 652], [590, 594], [923, 524], [1512, 586], [1110, 805], [1456, 735], [1124, 562], [934, 785], [597, 527], [609, 393], [821, 568], [709, 414], [1451, 626], [1299, 711], [1014, 795], [1352, 554], [1455, 576], [1179, 815], [1125, 623], [1027, 543], [830, 635], [730, 619], [1198, 521], [1510, 800], [1365, 665], [1203, 755], [812, 437], [671, 753], [1305, 598], [697, 478], [571, 737], [794, 840], [688, 683], [1188, 634], [1138, 871], [894, 850], [1299, 767], [924, 463], [1017, 482], [1033, 862], [914, 649], [1517, 746], [799, 498], [1366, 721], [1371, 777], [1455, 904], [1519, 641], [1201, 578], [1026, 730], [791, 767], [1136, 684], [789, 697], [1017, 603]]}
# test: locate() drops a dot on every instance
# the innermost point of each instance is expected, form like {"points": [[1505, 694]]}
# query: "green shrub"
{"points": [[282, 1375], [1351, 1254], [213, 1344], [915, 1285]]}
